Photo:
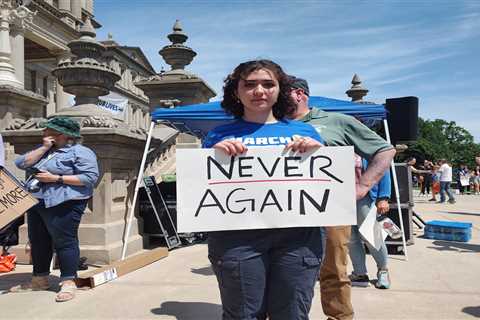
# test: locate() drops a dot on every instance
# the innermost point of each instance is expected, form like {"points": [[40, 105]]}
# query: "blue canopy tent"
{"points": [[198, 119], [201, 118]]}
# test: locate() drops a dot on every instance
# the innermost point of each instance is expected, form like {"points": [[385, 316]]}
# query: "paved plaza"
{"points": [[440, 280]]}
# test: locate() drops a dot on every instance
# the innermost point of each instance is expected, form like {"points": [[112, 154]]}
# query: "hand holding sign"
{"points": [[302, 144], [231, 147]]}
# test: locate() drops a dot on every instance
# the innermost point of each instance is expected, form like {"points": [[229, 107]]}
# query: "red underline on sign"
{"points": [[271, 180]]}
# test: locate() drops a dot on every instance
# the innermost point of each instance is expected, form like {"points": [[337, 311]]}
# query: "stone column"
{"points": [[89, 6], [52, 104], [146, 120], [64, 5], [17, 41], [7, 71], [77, 9], [61, 100]]}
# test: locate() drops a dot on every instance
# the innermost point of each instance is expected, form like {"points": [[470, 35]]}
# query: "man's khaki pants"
{"points": [[335, 285]]}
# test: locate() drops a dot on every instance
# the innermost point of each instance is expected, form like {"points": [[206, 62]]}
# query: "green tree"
{"points": [[442, 139]]}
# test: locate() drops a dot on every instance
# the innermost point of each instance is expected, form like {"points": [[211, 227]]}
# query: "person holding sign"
{"points": [[63, 175], [341, 130], [463, 180], [268, 272]]}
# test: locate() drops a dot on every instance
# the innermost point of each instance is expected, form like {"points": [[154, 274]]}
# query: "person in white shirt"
{"points": [[445, 181]]}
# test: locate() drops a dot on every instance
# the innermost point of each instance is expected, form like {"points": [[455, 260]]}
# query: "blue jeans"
{"points": [[356, 247], [445, 187], [55, 227], [264, 273]]}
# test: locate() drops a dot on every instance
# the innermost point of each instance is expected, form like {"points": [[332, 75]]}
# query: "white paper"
{"points": [[371, 230], [465, 181], [105, 276], [243, 196]]}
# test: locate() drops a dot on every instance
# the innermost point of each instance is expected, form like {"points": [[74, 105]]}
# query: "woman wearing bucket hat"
{"points": [[62, 174]]}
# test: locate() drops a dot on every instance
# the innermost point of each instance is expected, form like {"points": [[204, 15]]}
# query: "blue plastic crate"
{"points": [[448, 230]]}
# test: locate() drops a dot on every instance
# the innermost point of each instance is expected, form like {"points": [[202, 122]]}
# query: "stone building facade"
{"points": [[38, 70]]}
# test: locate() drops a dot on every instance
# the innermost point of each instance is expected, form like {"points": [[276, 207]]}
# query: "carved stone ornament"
{"points": [[136, 130], [177, 55], [169, 103], [149, 78], [21, 124], [189, 76], [8, 4], [86, 76], [21, 17], [99, 122]]}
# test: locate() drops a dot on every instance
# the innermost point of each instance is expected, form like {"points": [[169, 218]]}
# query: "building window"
{"points": [[33, 81], [45, 87]]}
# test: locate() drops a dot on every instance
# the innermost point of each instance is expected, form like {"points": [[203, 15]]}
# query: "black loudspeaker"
{"points": [[404, 178], [402, 119]]}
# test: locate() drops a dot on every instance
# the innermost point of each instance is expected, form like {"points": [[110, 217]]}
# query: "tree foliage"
{"points": [[439, 139]]}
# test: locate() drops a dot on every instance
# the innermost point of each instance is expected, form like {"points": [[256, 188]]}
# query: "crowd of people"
{"points": [[436, 178]]}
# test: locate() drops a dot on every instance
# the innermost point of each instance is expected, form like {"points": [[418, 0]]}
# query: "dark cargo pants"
{"points": [[264, 273]]}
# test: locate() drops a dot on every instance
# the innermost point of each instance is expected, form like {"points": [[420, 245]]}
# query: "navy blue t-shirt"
{"points": [[261, 134]]}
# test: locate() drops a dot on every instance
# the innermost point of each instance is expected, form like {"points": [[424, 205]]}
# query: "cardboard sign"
{"points": [[264, 188], [14, 199]]}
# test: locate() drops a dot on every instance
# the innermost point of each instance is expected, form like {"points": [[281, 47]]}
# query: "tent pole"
{"points": [[397, 194], [137, 188]]}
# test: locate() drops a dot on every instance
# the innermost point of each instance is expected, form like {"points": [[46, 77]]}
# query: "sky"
{"points": [[429, 49]]}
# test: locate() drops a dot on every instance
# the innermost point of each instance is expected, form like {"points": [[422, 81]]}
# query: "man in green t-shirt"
{"points": [[341, 130]]}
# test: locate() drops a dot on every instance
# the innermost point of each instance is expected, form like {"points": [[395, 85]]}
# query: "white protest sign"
{"points": [[264, 188], [464, 181]]}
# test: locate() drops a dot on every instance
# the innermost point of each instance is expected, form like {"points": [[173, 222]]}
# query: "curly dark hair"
{"points": [[232, 105]]}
